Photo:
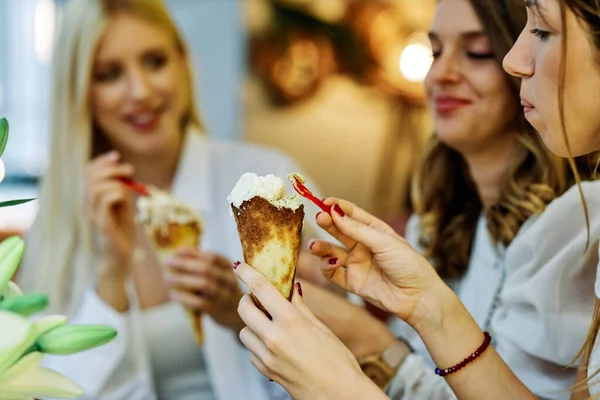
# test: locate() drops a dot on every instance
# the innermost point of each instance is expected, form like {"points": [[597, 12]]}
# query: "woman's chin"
{"points": [[556, 144]]}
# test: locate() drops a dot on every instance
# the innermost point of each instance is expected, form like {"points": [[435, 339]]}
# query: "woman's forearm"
{"points": [[361, 332], [112, 289], [455, 336]]}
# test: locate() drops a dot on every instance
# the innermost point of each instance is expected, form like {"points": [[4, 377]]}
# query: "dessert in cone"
{"points": [[170, 225], [270, 228]]}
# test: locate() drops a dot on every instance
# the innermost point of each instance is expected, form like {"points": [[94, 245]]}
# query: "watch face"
{"points": [[376, 374]]}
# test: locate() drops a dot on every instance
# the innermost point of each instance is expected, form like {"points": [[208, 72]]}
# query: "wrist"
{"points": [[435, 309], [450, 333], [383, 366], [365, 388], [112, 269], [112, 289]]}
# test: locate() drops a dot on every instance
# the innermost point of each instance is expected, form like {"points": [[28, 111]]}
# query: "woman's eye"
{"points": [[543, 35], [156, 62], [108, 75]]}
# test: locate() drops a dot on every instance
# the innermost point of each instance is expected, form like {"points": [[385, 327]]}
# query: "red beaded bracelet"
{"points": [[486, 342]]}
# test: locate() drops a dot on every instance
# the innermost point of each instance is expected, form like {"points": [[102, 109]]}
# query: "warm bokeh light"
{"points": [[416, 59]]}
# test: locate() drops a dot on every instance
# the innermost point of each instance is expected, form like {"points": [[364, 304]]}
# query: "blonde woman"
{"points": [[556, 56], [123, 107]]}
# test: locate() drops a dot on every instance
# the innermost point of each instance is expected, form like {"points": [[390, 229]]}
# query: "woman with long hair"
{"points": [[123, 107], [556, 56]]}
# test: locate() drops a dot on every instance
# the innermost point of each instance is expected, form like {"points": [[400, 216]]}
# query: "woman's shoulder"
{"points": [[565, 216], [559, 235]]}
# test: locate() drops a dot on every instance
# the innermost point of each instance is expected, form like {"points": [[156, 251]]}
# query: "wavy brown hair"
{"points": [[449, 212]]}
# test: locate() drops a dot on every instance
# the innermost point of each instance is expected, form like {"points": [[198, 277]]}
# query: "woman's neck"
{"points": [[489, 168]]}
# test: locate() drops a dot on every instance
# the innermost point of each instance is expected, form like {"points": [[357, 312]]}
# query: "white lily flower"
{"points": [[18, 334], [28, 379]]}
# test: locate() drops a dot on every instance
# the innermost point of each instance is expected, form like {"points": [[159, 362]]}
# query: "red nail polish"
{"points": [[299, 288], [333, 261], [236, 264], [319, 213], [310, 246], [338, 210]]}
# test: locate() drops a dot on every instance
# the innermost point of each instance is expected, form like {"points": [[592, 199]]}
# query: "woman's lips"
{"points": [[144, 121], [447, 104], [527, 106]]}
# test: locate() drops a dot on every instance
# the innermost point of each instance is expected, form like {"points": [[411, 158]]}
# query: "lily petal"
{"points": [[11, 396], [47, 323], [17, 336], [12, 290], [28, 377]]}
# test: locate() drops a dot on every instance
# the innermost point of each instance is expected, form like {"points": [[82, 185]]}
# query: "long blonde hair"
{"points": [[59, 259]]}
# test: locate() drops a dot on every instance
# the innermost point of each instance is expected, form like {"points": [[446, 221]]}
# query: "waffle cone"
{"points": [[166, 241], [270, 238], [173, 236]]}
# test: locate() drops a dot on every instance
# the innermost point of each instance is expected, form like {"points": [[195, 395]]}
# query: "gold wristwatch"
{"points": [[381, 368]]}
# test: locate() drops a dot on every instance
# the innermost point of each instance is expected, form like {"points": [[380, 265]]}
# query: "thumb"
{"points": [[298, 302]]}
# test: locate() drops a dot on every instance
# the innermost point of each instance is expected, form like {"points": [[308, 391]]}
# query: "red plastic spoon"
{"points": [[303, 191], [138, 187]]}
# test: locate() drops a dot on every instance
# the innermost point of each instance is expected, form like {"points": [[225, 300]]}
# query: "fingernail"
{"points": [[299, 288], [236, 264], [333, 261], [170, 261], [174, 297], [338, 210], [311, 243], [319, 213], [169, 278]]}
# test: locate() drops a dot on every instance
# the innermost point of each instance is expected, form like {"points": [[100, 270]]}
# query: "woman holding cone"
{"points": [[123, 108], [380, 266]]}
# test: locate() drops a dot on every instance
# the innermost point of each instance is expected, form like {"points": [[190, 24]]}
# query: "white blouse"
{"points": [[542, 287], [154, 360], [178, 365], [594, 361]]}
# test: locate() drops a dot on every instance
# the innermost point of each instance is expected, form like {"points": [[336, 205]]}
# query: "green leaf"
{"points": [[3, 135], [14, 202]]}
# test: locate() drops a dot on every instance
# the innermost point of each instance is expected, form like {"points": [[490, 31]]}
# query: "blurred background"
{"points": [[336, 84]]}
